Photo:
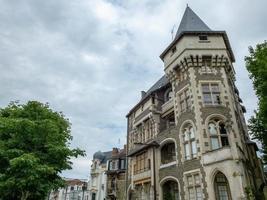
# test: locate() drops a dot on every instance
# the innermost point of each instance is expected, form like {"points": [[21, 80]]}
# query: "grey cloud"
{"points": [[91, 58]]}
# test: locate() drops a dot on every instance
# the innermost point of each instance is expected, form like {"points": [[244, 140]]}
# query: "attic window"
{"points": [[203, 37]]}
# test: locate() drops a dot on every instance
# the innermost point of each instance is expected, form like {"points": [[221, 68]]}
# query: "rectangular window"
{"points": [[141, 163], [185, 100], [198, 193], [193, 187], [191, 194], [214, 143], [211, 93], [203, 37]]}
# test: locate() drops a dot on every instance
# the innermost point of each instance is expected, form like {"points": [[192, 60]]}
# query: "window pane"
{"points": [[224, 141], [223, 194], [190, 180], [182, 97], [216, 99], [191, 194], [188, 103], [222, 129], [187, 94], [194, 148], [205, 88], [192, 133], [215, 88], [198, 193], [212, 129], [186, 135], [197, 179], [183, 105], [207, 98], [214, 143], [187, 152]]}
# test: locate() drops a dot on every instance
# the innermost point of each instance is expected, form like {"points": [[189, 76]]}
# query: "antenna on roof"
{"points": [[172, 31]]}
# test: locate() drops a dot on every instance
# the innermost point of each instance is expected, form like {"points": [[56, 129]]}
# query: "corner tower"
{"points": [[213, 141], [187, 136]]}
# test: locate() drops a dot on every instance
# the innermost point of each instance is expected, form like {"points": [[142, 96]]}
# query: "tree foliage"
{"points": [[256, 64], [34, 149]]}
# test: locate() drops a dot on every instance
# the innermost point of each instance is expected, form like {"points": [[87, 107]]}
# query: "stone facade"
{"points": [[187, 137], [116, 175], [98, 178]]}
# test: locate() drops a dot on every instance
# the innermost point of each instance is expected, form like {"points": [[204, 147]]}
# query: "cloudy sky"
{"points": [[91, 58]]}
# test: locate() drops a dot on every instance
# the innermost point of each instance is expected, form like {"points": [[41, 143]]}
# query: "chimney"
{"points": [[115, 152], [143, 93]]}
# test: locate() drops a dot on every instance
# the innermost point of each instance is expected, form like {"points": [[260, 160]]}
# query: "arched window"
{"points": [[168, 153], [170, 190], [218, 134], [190, 146], [221, 186]]}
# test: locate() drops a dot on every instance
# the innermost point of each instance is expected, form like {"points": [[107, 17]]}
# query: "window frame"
{"points": [[185, 99], [189, 141], [211, 93], [193, 186], [219, 135]]}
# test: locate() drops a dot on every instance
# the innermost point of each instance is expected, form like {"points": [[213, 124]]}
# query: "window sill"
{"points": [[213, 105], [168, 164], [204, 41], [220, 148], [191, 159]]}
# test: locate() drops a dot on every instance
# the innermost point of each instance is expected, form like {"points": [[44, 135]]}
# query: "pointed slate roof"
{"points": [[191, 22]]}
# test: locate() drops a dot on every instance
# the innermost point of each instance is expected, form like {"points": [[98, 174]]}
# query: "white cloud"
{"points": [[90, 59]]}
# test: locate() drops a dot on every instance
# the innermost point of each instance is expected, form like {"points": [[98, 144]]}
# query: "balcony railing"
{"points": [[167, 106]]}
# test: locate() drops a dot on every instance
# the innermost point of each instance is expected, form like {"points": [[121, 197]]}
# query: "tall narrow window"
{"points": [[194, 187], [206, 64], [168, 153], [190, 146], [211, 93], [218, 134], [222, 189], [185, 100]]}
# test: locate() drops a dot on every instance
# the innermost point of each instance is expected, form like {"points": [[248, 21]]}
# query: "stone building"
{"points": [[75, 189], [116, 174], [187, 136], [98, 177]]}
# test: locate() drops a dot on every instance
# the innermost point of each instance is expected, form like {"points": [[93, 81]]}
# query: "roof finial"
{"points": [[187, 5]]}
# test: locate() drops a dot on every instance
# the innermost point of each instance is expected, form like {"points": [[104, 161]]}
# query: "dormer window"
{"points": [[174, 50], [203, 37]]}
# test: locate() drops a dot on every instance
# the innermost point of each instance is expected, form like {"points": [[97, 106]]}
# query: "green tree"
{"points": [[34, 149], [256, 64]]}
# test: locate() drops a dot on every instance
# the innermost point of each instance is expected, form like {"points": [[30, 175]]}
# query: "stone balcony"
{"points": [[142, 176], [167, 106], [217, 155]]}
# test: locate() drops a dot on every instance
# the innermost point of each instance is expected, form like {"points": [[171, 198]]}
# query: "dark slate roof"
{"points": [[191, 22], [163, 81], [142, 147], [102, 156]]}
